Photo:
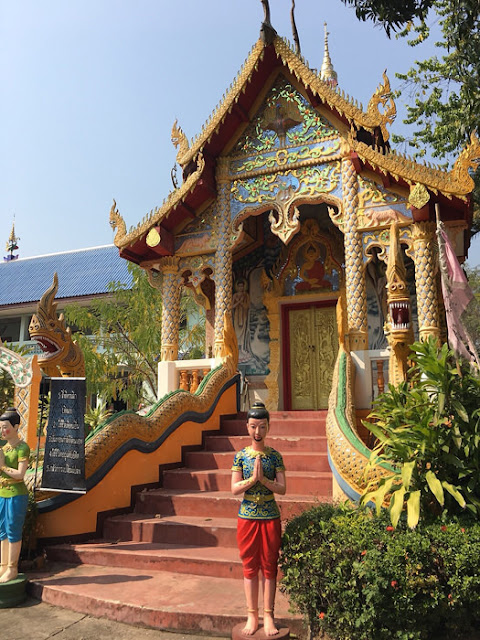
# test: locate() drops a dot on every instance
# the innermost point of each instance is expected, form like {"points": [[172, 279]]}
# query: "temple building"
{"points": [[290, 200], [311, 246]]}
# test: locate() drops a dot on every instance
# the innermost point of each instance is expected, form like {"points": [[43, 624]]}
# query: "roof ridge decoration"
{"points": [[296, 63], [180, 141], [457, 182], [230, 97], [123, 238]]}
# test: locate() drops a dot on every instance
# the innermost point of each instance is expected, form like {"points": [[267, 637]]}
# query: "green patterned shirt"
{"points": [[10, 487], [258, 502]]}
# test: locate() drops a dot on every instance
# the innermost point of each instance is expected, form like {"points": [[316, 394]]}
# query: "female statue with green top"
{"points": [[14, 458]]}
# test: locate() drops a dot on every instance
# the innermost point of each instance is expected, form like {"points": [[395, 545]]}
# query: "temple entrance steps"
{"points": [[173, 562]]}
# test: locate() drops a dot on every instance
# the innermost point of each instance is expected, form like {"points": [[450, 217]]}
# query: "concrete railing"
{"points": [[183, 374]]}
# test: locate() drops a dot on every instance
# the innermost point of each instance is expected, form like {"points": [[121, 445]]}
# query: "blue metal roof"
{"points": [[80, 273]]}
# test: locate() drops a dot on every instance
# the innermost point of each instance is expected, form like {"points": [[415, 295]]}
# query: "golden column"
{"points": [[170, 307], [223, 259], [424, 245], [354, 265]]}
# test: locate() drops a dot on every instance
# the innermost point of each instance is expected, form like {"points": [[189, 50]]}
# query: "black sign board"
{"points": [[64, 463]]}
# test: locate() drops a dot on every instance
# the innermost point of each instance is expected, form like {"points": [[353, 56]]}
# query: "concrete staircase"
{"points": [[173, 563]]}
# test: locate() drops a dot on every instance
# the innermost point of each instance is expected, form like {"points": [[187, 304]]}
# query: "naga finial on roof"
{"points": [[117, 222], [469, 158], [180, 141], [382, 96]]}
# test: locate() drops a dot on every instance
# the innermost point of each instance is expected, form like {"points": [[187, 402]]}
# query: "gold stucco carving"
{"points": [[469, 158], [127, 426], [382, 97], [225, 105], [425, 256], [351, 463], [180, 141], [354, 264], [286, 223], [454, 183], [153, 237], [457, 182], [171, 288], [223, 267], [272, 291], [419, 196], [117, 222], [61, 356], [398, 327], [333, 97]]}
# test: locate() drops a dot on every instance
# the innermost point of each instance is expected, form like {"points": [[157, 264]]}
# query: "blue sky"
{"points": [[91, 89]]}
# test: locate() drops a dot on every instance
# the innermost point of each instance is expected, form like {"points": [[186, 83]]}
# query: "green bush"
{"points": [[429, 429], [353, 575]]}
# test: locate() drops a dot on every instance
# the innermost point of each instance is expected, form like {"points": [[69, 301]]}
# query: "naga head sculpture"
{"points": [[398, 327], [61, 356]]}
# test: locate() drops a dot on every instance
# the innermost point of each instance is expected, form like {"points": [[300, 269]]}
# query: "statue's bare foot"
{"points": [[3, 568], [269, 625], [252, 624], [10, 574]]}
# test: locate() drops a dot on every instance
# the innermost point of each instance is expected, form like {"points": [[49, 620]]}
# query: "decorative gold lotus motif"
{"points": [[419, 196]]}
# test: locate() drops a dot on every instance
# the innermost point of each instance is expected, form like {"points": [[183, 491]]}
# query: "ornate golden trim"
{"points": [[334, 98], [419, 196], [122, 238], [225, 105], [455, 183]]}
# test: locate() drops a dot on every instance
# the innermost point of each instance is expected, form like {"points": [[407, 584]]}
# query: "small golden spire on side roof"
{"points": [[12, 245], [327, 72]]}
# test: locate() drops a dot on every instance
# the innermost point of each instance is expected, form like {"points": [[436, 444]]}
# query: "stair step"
{"points": [[298, 460], [219, 562], [155, 599], [298, 482], [280, 443], [190, 530], [216, 504], [291, 427], [174, 563]]}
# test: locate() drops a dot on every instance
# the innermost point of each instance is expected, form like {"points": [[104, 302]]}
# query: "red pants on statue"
{"points": [[259, 546]]}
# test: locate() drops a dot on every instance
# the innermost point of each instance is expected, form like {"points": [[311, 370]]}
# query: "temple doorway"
{"points": [[310, 345]]}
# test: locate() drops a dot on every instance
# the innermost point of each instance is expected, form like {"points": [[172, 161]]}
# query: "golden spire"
{"points": [[327, 72], [11, 245]]}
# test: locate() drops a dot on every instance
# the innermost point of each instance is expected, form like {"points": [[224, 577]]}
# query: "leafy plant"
{"points": [[429, 429], [352, 575], [96, 416], [120, 337]]}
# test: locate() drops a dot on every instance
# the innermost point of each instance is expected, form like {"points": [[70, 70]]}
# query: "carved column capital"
{"points": [[222, 172], [169, 264], [423, 231]]}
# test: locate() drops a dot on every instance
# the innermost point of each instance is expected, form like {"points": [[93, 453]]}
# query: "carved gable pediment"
{"points": [[285, 120]]}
